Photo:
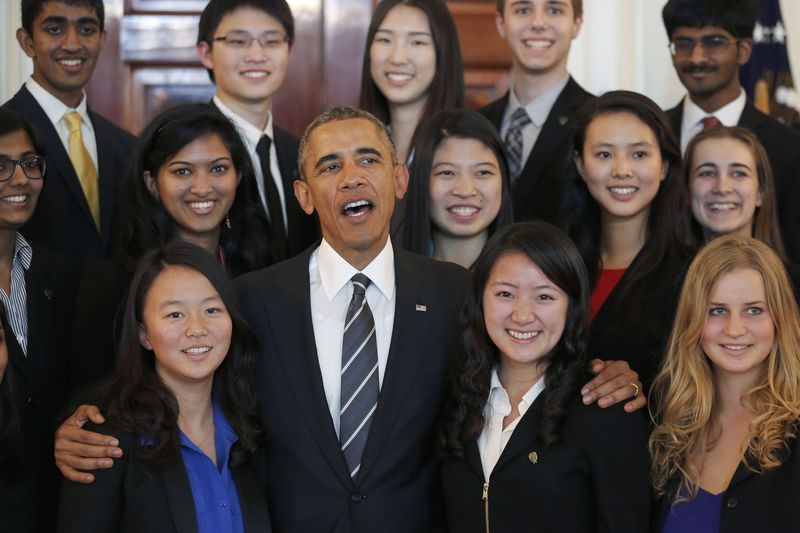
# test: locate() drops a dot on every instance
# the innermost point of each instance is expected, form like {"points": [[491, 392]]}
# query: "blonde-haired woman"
{"points": [[726, 401]]}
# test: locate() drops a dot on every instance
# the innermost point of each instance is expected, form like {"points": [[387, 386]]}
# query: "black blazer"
{"points": [[62, 220], [308, 485], [595, 479], [303, 229], [756, 502], [540, 187], [128, 498], [640, 342], [780, 143], [37, 380]]}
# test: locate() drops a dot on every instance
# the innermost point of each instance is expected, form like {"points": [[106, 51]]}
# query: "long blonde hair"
{"points": [[682, 399]]}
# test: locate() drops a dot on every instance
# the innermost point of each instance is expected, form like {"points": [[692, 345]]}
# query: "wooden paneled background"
{"points": [[150, 62]]}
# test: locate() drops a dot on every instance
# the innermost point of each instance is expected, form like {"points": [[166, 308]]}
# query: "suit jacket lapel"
{"points": [[255, 515], [675, 116], [525, 434], [751, 117], [105, 181], [298, 354], [472, 456], [179, 497], [409, 335]]}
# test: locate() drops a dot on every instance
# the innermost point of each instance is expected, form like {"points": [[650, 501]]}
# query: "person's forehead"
{"points": [[248, 18], [73, 11], [701, 31], [347, 135]]}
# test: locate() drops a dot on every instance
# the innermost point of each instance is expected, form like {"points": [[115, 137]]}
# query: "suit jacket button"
{"points": [[732, 503], [356, 498]]}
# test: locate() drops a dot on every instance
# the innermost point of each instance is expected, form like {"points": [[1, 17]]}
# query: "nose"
{"points": [[735, 326], [463, 186], [622, 168], [255, 53], [722, 184], [201, 184], [196, 325], [523, 312], [18, 176], [352, 175], [71, 41], [398, 54], [538, 18], [698, 53]]}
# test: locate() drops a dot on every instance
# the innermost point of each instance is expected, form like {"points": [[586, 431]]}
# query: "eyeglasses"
{"points": [[242, 39], [32, 166], [711, 44]]}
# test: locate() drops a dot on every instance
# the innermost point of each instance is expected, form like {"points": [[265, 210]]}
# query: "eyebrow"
{"points": [[426, 33], [509, 284], [181, 302], [217, 160], [58, 19], [23, 154], [612, 145]]}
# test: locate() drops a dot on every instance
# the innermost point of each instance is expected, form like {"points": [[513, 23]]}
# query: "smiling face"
{"points": [[711, 77], [403, 56], [64, 46], [19, 195], [539, 34], [466, 187], [186, 325], [351, 182], [197, 187], [524, 313], [739, 332], [724, 187], [249, 75], [621, 165]]}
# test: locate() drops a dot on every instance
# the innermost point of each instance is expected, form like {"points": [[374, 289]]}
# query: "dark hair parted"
{"points": [[458, 124], [665, 248], [12, 122], [558, 259], [737, 17], [148, 223], [765, 220], [447, 88], [137, 400], [216, 10], [33, 8], [577, 7]]}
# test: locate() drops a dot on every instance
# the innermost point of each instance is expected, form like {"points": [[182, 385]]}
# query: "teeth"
{"points": [[540, 45], [70, 62], [399, 77], [463, 211], [720, 206], [16, 199], [201, 205], [522, 335], [622, 190], [255, 74], [354, 205], [198, 350], [735, 347]]}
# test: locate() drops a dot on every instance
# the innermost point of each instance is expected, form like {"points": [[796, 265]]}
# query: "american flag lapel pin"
{"points": [[421, 308]]}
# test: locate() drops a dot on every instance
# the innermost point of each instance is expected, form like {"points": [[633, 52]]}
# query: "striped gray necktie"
{"points": [[519, 119], [359, 395]]}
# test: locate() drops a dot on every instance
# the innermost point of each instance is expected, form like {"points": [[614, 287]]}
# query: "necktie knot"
{"points": [[519, 118], [73, 120], [264, 143], [710, 122], [360, 284]]}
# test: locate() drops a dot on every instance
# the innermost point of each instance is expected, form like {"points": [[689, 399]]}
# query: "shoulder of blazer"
{"points": [[573, 95], [54, 268], [494, 110]]}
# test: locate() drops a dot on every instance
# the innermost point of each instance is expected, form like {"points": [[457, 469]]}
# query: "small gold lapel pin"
{"points": [[533, 457], [563, 119]]}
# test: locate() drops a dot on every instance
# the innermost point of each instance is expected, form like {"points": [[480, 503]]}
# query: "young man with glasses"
{"points": [[709, 41], [245, 46], [78, 213]]}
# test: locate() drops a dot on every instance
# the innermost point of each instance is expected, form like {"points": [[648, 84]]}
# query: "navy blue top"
{"points": [[699, 515], [213, 490]]}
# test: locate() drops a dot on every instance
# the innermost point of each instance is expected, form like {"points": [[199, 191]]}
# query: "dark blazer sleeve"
{"points": [[98, 506]]}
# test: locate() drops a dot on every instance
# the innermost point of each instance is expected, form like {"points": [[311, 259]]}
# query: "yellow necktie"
{"points": [[84, 166]]}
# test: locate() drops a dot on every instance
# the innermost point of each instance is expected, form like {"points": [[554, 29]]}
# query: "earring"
{"points": [[227, 221]]}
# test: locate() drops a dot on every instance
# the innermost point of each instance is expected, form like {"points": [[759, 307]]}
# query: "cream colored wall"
{"points": [[622, 45]]}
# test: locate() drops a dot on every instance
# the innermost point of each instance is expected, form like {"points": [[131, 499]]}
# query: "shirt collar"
{"points": [[335, 272], [498, 397], [54, 108], [728, 114], [23, 251], [252, 133], [539, 108]]}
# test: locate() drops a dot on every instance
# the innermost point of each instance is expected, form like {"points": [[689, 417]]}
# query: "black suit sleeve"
{"points": [[97, 507]]}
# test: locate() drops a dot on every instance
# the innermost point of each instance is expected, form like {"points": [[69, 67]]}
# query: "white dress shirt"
{"points": [[538, 110], [251, 135], [55, 110], [693, 116], [331, 292], [494, 438]]}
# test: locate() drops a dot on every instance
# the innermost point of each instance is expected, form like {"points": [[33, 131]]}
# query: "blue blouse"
{"points": [[213, 490], [700, 515]]}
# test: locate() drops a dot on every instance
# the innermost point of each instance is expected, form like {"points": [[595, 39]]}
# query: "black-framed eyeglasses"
{"points": [[242, 39], [32, 166], [711, 44]]}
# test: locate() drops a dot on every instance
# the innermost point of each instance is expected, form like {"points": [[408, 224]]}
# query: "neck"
{"points": [[530, 85], [359, 259], [460, 250], [68, 98], [255, 112], [404, 120], [517, 379], [622, 239], [194, 403], [711, 103], [730, 391], [207, 241], [744, 231]]}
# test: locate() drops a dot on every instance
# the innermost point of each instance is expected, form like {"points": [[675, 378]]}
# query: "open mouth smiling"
{"points": [[357, 208]]}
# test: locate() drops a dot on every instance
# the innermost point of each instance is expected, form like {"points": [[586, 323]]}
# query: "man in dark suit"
{"points": [[535, 116], [245, 46], [709, 41], [78, 212]]}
